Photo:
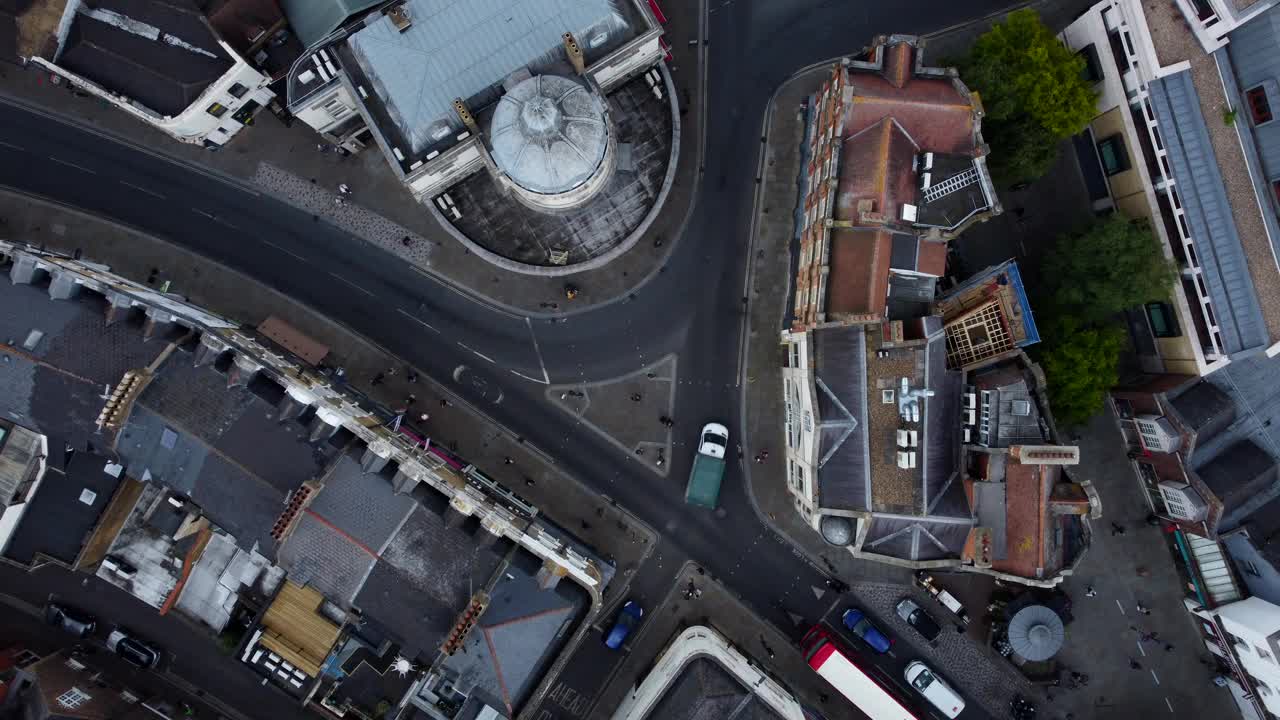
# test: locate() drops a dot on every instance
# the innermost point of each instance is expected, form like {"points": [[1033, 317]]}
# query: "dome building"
{"points": [[553, 141]]}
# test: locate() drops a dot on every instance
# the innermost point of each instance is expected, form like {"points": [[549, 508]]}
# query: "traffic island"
{"points": [[634, 412]]}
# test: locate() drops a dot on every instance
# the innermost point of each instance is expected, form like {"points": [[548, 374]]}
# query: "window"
{"points": [[1114, 157], [1164, 324], [217, 110], [74, 698], [1259, 106], [237, 90], [1092, 71]]}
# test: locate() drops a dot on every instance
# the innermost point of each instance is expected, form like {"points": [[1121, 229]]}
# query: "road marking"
{"points": [[11, 145], [366, 292], [71, 164], [1122, 612], [1168, 704], [283, 250], [546, 379], [417, 320], [540, 381], [1144, 652], [201, 212], [142, 190], [477, 353], [228, 223], [1157, 677]]}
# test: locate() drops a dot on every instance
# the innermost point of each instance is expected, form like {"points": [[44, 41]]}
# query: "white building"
{"points": [[1245, 635], [163, 64]]}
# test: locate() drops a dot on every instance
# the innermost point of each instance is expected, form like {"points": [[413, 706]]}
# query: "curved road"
{"points": [[693, 309]]}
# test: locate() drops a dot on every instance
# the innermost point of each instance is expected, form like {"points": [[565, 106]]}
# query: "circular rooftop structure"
{"points": [[836, 530], [1036, 633], [552, 137]]}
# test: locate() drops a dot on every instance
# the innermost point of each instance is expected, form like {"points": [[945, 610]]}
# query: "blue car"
{"points": [[859, 624], [628, 617]]}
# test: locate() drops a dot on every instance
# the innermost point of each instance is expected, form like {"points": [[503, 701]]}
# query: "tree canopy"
{"points": [[1115, 264], [1080, 365], [1024, 73]]}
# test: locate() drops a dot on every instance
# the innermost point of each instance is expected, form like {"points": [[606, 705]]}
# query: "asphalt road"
{"points": [[692, 309]]}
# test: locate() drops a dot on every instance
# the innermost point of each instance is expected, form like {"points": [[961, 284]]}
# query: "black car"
{"points": [[916, 617], [72, 621], [134, 651]]}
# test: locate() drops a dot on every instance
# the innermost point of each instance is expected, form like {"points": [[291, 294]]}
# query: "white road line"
{"points": [[283, 250], [366, 292], [1168, 704], [546, 379], [417, 320], [71, 164], [11, 145], [201, 212], [526, 377], [142, 190], [229, 224], [1122, 612], [1144, 652], [1157, 677], [477, 353]]}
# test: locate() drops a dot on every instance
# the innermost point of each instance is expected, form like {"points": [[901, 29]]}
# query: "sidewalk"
{"points": [[285, 162]]}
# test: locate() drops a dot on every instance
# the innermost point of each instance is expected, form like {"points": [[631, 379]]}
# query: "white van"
{"points": [[928, 684]]}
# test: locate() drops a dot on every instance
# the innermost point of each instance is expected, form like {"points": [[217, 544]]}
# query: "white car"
{"points": [[928, 684], [713, 440]]}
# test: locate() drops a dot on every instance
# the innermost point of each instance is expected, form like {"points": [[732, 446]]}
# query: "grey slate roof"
{"points": [[316, 554], [840, 366], [941, 435], [461, 48], [916, 538], [1208, 212], [1255, 57], [56, 522], [163, 76], [705, 691], [1205, 409], [312, 20], [361, 505]]}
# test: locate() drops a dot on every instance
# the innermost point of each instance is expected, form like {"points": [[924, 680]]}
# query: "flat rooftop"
{"points": [[705, 690]]}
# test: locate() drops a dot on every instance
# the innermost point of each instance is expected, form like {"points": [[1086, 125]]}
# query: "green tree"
{"points": [[1021, 151], [1080, 366], [1115, 264], [1025, 74]]}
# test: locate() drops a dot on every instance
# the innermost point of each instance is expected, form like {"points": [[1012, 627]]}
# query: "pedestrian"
{"points": [[508, 461], [1134, 664], [406, 241], [344, 188], [759, 458], [377, 379], [424, 417], [444, 402], [1168, 647], [1090, 592], [410, 375], [391, 371], [529, 482], [764, 455], [1116, 529], [339, 201], [1143, 609], [636, 397], [660, 461], [408, 403]]}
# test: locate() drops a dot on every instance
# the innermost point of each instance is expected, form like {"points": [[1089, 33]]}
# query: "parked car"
{"points": [[134, 651], [628, 617], [859, 624], [72, 621], [916, 617], [934, 689]]}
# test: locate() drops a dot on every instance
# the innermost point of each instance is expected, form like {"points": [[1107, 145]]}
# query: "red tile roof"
{"points": [[1027, 490], [859, 279], [876, 165], [932, 258]]}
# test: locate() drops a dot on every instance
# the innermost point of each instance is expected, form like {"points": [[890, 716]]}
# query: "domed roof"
{"points": [[1036, 633], [836, 530], [549, 134]]}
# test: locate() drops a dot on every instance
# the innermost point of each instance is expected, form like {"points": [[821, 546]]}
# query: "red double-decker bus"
{"points": [[823, 653]]}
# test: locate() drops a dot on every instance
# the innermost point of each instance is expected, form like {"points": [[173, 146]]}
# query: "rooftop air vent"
{"points": [[399, 17], [909, 213], [886, 396], [1021, 408]]}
